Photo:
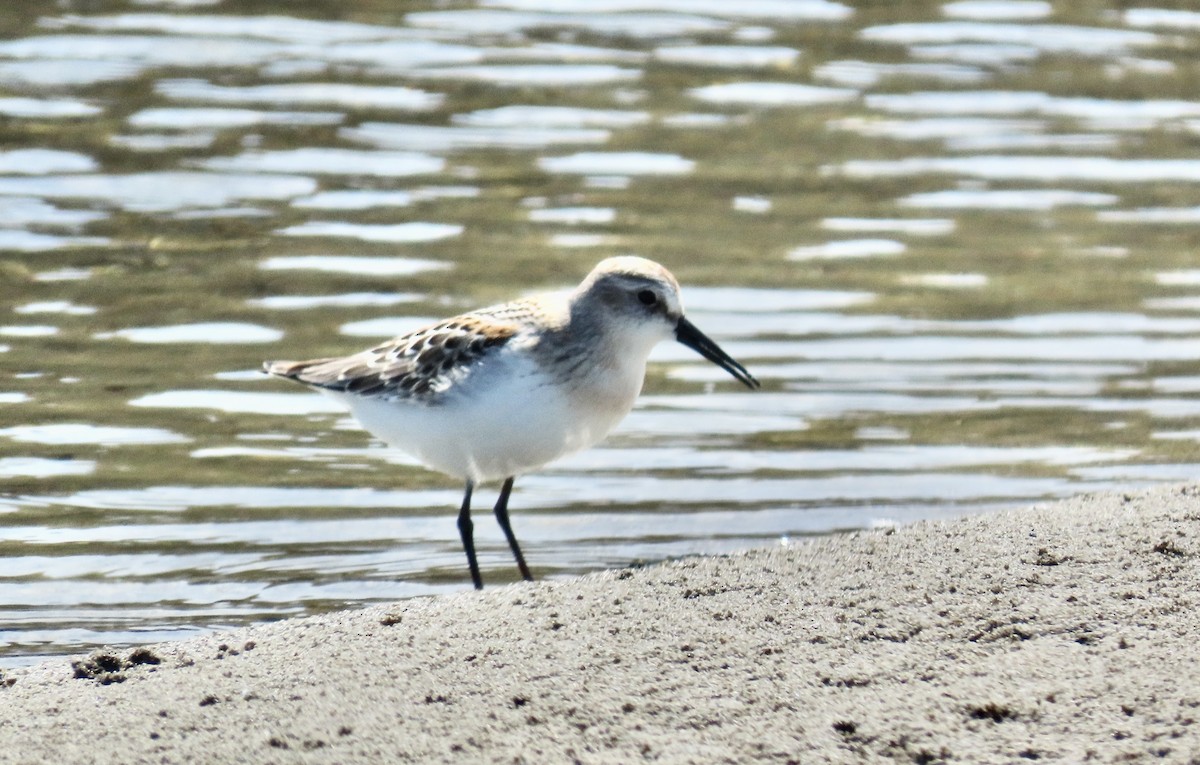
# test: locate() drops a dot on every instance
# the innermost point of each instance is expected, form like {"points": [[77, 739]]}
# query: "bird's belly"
{"points": [[492, 429]]}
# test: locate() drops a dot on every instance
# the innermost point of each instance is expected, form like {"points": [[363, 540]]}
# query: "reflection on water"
{"points": [[159, 192], [955, 242]]}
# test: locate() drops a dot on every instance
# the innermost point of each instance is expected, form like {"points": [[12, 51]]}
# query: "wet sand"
{"points": [[1066, 632]]}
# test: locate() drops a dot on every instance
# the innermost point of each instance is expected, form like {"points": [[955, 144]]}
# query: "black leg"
{"points": [[502, 518], [467, 530]]}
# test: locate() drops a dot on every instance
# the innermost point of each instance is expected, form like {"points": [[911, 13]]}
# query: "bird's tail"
{"points": [[291, 370], [326, 374]]}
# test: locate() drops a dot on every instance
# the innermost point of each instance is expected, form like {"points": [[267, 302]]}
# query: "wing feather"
{"points": [[416, 366]]}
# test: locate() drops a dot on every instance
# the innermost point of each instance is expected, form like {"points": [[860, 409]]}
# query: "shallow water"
{"points": [[954, 241]]}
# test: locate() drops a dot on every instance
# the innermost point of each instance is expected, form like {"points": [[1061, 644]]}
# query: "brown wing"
{"points": [[414, 366]]}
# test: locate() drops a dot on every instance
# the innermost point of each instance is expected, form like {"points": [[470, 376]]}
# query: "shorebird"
{"points": [[498, 392]]}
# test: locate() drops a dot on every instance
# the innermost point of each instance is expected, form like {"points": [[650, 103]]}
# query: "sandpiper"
{"points": [[501, 391]]}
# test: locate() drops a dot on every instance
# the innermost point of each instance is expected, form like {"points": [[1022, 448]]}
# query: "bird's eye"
{"points": [[647, 297]]}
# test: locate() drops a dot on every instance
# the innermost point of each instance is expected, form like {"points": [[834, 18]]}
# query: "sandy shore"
{"points": [[1067, 632]]}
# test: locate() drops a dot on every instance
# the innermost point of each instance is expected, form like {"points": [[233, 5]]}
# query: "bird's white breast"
{"points": [[507, 417]]}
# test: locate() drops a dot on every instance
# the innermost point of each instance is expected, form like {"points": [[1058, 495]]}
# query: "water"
{"points": [[955, 242]]}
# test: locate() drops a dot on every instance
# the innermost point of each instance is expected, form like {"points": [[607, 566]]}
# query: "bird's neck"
{"points": [[590, 351]]}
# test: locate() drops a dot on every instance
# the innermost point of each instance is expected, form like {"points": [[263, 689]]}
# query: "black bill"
{"points": [[686, 333]]}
